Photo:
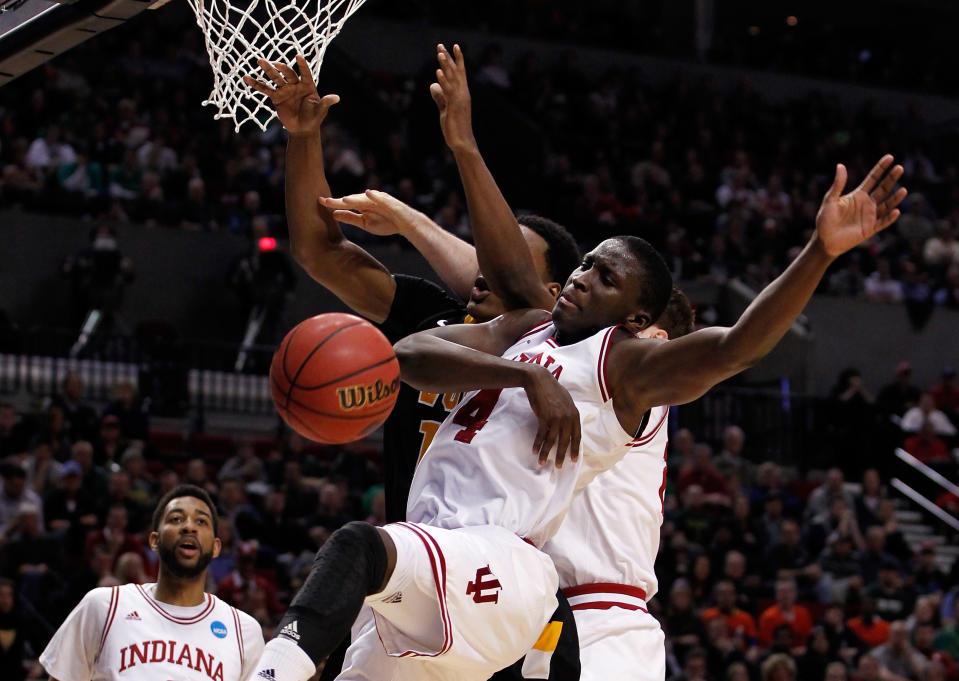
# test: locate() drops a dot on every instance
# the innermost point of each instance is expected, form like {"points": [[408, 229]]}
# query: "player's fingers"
{"points": [[459, 59], [549, 442], [562, 445], [288, 73], [886, 206], [305, 70], [538, 441], [327, 101], [349, 217], [436, 90], [446, 63], [888, 220], [576, 439], [333, 203], [875, 175], [884, 188], [271, 72], [838, 184], [259, 86]]}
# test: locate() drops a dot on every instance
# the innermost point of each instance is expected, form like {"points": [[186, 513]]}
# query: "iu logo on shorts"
{"points": [[479, 586]]}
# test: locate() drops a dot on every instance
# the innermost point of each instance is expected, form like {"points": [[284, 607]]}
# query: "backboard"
{"points": [[35, 31]]}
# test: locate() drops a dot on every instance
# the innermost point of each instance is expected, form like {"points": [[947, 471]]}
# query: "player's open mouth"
{"points": [[567, 302], [188, 548]]}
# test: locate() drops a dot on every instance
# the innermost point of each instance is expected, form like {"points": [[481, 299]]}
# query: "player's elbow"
{"points": [[408, 354]]}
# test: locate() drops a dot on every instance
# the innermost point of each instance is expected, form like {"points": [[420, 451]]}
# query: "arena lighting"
{"points": [[792, 20], [267, 243]]}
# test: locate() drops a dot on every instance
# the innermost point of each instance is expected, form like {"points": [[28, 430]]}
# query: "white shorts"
{"points": [[461, 604], [618, 638]]}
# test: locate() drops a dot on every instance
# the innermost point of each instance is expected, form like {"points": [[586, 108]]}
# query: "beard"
{"points": [[170, 561]]}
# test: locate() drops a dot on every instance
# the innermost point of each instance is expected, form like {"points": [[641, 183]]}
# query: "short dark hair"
{"points": [[185, 491], [678, 318], [656, 281], [562, 252]]}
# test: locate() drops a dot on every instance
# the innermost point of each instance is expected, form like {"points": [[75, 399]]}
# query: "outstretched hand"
{"points": [[298, 105], [846, 220], [452, 96], [373, 211]]}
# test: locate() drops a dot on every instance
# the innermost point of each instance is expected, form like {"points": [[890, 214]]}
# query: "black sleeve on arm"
{"points": [[419, 304]]}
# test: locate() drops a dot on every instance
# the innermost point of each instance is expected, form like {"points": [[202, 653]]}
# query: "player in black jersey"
{"points": [[400, 304]]}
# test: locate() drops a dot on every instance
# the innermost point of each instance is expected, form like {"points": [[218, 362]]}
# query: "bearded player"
{"points": [[172, 629]]}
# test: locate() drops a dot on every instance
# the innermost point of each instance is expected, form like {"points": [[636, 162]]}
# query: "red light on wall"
{"points": [[267, 243]]}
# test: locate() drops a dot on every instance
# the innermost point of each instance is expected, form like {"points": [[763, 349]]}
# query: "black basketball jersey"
{"points": [[418, 304]]}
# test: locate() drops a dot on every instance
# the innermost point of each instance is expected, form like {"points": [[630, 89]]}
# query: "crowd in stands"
{"points": [[763, 566], [725, 183]]}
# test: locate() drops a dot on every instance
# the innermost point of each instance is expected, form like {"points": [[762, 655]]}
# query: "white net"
{"points": [[238, 32]]}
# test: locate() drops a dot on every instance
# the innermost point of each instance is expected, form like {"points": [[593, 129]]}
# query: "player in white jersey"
{"points": [[604, 561], [172, 629], [462, 589]]}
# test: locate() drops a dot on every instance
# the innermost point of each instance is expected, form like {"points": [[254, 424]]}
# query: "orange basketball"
{"points": [[334, 378]]}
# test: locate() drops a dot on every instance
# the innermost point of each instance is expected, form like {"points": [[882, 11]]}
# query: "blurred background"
{"points": [[145, 280]]}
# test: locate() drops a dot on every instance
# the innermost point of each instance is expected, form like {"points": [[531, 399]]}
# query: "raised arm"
{"points": [[378, 213], [501, 250], [646, 373], [317, 243], [467, 357]]}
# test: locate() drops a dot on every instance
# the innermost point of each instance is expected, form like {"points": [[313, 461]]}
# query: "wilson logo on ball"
{"points": [[356, 396]]}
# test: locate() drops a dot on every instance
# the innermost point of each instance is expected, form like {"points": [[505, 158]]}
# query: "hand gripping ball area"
{"points": [[334, 378]]}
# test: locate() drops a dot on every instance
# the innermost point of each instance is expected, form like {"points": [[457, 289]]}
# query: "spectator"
{"points": [[24, 635], [701, 471], [881, 287], [722, 648], [924, 636], [870, 629], [843, 642], [785, 611], [942, 249], [872, 555], [869, 670], [896, 398], [945, 394], [70, 508], [15, 494], [926, 410], [236, 509], [235, 588], [870, 496], [788, 559], [836, 671], [47, 151], [778, 667], [926, 575], [683, 627], [694, 666], [741, 625], [43, 471], [894, 601], [14, 432], [731, 459], [95, 481], [927, 446], [115, 537], [681, 447], [818, 655], [132, 413], [948, 637], [841, 572], [81, 418], [835, 485], [33, 557], [897, 655]]}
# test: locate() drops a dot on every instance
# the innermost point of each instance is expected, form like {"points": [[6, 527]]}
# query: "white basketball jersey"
{"points": [[122, 632], [611, 533], [480, 468]]}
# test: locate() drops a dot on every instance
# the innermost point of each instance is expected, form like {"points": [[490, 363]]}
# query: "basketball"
{"points": [[334, 378]]}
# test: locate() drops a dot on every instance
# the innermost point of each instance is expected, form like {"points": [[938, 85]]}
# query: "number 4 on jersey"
{"points": [[474, 413]]}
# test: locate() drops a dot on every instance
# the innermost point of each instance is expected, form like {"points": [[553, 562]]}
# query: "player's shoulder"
{"points": [[247, 622], [521, 322], [101, 599]]}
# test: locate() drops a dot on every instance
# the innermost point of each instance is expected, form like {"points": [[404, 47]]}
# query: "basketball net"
{"points": [[238, 32]]}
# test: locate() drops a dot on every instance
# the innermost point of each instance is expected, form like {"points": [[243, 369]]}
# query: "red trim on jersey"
{"points": [[439, 578], [552, 342], [536, 327], [605, 588], [606, 605], [111, 613], [647, 437], [174, 618], [601, 363], [239, 633]]}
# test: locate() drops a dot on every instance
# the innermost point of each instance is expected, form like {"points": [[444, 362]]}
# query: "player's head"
{"points": [[184, 532], [554, 252], [621, 281], [676, 321]]}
